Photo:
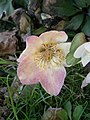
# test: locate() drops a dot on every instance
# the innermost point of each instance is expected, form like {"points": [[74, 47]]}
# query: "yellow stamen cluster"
{"points": [[49, 55]]}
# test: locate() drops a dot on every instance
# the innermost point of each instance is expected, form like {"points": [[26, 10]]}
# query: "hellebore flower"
{"points": [[43, 61], [86, 81], [83, 52]]}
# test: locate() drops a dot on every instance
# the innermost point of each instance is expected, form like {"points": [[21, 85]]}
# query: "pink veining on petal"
{"points": [[32, 44], [54, 36], [33, 41], [28, 72], [53, 80], [62, 37]]}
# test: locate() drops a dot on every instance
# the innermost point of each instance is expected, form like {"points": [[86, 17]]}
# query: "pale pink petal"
{"points": [[87, 46], [85, 60], [86, 81], [80, 51], [32, 44], [28, 72], [53, 80], [54, 36]]}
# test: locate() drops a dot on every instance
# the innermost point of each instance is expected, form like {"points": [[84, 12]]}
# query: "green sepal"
{"points": [[78, 40]]}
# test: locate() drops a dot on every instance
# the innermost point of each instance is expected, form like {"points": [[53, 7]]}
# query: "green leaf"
{"points": [[88, 11], [88, 2], [86, 27], [71, 60], [6, 6], [80, 3], [88, 116], [33, 119], [75, 22], [68, 108], [21, 3], [62, 115], [78, 40], [46, 116], [6, 25], [64, 8], [55, 113], [39, 30], [2, 61], [78, 111]]}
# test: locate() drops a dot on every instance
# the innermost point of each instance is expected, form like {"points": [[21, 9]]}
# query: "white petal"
{"points": [[86, 80], [85, 60], [45, 16], [87, 46], [65, 47], [80, 51], [84, 84]]}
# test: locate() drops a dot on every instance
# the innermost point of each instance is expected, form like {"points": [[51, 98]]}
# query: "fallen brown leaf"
{"points": [[46, 6], [8, 42], [59, 26]]}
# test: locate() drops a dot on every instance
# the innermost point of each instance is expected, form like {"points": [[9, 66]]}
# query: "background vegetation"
{"points": [[19, 19]]}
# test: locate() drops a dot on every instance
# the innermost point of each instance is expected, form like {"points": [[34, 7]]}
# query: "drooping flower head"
{"points": [[43, 61], [86, 81], [83, 52]]}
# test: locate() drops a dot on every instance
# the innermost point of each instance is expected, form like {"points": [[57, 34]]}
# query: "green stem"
{"points": [[14, 111]]}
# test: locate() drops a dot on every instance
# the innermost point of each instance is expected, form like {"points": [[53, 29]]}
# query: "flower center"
{"points": [[49, 55]]}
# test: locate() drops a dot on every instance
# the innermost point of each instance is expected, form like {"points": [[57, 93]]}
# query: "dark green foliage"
{"points": [[75, 12], [21, 3], [86, 26], [6, 6], [78, 40], [64, 8], [77, 112], [32, 101], [75, 22], [6, 25]]}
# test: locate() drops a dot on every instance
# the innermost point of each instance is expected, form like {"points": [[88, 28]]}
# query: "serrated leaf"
{"points": [[68, 108], [64, 8], [75, 22], [77, 112], [86, 27], [78, 40], [6, 6]]}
